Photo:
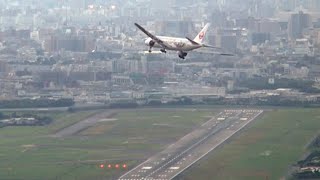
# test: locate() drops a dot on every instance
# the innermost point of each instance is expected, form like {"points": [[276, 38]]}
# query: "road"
{"points": [[188, 150]]}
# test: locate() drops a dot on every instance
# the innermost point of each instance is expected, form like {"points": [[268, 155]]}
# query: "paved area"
{"points": [[188, 150], [77, 127]]}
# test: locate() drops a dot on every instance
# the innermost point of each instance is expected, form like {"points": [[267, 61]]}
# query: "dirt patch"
{"points": [[108, 120], [28, 146], [266, 153]]}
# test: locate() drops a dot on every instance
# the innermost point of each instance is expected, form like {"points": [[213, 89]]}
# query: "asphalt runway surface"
{"points": [[179, 156]]}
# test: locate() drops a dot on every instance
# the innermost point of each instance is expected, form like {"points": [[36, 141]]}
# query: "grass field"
{"points": [[264, 151], [31, 153]]}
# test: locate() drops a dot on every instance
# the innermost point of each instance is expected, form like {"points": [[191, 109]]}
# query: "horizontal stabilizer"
{"points": [[209, 46], [226, 54]]}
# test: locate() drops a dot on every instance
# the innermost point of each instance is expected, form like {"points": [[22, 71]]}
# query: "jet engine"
{"points": [[150, 42]]}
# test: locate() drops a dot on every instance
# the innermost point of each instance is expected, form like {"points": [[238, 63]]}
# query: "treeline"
{"points": [[184, 101], [36, 103], [309, 168], [266, 101], [260, 83], [311, 160], [307, 175], [315, 143]]}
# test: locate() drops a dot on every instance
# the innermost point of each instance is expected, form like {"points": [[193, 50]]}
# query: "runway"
{"points": [[188, 150], [81, 125]]}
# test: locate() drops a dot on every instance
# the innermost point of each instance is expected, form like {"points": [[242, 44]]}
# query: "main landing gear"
{"points": [[163, 50], [182, 55]]}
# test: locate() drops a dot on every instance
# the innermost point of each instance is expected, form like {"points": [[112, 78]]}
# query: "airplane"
{"points": [[182, 45]]}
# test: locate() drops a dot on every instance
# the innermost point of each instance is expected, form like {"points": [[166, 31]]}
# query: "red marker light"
{"points": [[101, 166], [109, 166], [117, 166], [124, 166]]}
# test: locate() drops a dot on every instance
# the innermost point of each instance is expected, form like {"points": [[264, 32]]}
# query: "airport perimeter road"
{"points": [[179, 156]]}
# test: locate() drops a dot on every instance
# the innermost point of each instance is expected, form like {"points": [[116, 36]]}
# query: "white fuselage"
{"points": [[175, 44]]}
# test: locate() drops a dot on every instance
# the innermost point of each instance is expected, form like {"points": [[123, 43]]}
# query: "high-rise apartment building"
{"points": [[297, 24]]}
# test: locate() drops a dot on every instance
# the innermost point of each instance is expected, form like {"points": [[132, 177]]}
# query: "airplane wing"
{"points": [[153, 37]]}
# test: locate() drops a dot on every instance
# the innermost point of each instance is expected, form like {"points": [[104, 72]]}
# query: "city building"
{"points": [[297, 24], [69, 43]]}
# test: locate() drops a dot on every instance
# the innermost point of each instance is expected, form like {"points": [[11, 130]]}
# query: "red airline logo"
{"points": [[201, 35]]}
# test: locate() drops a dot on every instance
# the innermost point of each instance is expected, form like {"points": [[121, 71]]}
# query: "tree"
{"points": [[2, 116]]}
